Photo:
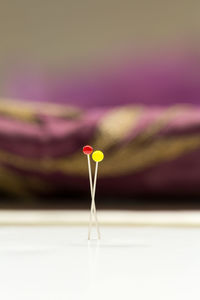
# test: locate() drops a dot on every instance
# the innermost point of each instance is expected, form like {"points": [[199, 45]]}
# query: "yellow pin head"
{"points": [[98, 156]]}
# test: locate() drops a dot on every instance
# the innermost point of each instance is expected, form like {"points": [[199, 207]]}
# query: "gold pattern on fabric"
{"points": [[29, 111], [115, 125]]}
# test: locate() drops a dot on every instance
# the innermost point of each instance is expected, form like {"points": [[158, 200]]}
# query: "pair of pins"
{"points": [[97, 156]]}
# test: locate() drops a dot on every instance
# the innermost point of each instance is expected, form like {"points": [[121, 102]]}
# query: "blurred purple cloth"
{"points": [[138, 113], [148, 150], [156, 80]]}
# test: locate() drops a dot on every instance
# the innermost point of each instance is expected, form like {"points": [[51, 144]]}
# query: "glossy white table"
{"points": [[58, 263]]}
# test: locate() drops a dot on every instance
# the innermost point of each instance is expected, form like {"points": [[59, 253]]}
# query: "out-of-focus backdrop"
{"points": [[70, 34], [123, 76]]}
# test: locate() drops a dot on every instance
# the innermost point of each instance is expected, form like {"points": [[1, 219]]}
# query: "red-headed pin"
{"points": [[87, 150]]}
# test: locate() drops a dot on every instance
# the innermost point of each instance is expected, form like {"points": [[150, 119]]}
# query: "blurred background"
{"points": [[121, 76]]}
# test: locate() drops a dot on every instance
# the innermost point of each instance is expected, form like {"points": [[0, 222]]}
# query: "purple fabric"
{"points": [[25, 146], [166, 79], [154, 85]]}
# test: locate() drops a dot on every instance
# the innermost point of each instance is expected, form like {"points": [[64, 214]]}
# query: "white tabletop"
{"points": [[58, 263]]}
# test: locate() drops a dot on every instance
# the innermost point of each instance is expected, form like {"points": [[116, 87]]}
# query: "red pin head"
{"points": [[87, 149]]}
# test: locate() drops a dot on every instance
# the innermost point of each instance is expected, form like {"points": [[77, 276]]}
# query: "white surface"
{"points": [[123, 218], [57, 263]]}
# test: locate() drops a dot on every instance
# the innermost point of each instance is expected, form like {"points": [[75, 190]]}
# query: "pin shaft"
{"points": [[93, 206]]}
